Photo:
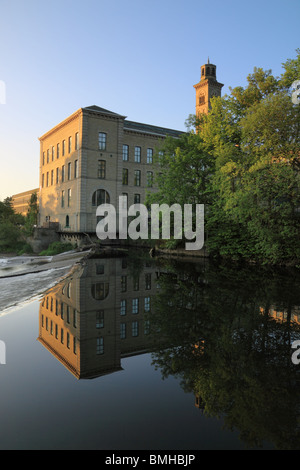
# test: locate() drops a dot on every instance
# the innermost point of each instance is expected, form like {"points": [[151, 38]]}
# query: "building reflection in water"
{"points": [[225, 333], [93, 319]]}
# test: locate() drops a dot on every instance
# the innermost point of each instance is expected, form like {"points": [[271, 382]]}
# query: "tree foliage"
{"points": [[14, 227], [242, 161]]}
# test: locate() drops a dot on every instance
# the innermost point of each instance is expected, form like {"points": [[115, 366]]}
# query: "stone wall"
{"points": [[42, 238]]}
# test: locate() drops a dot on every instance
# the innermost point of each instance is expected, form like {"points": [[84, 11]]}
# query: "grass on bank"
{"points": [[56, 248]]}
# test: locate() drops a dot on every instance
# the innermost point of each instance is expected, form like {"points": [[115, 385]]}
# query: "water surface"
{"points": [[135, 353]]}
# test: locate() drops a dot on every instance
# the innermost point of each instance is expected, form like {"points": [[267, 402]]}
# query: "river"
{"points": [[135, 353]]}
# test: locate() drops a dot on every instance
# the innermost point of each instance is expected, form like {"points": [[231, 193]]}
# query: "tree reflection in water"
{"points": [[226, 333]]}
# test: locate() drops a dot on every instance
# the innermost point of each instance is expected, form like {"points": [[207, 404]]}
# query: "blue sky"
{"points": [[137, 58]]}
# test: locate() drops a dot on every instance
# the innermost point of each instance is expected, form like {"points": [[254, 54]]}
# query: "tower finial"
{"points": [[208, 60]]}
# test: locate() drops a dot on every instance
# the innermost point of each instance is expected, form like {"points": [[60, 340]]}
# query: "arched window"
{"points": [[100, 290], [100, 197]]}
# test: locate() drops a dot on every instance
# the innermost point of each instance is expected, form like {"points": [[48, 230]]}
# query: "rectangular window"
{"points": [[56, 331], [57, 150], [63, 148], [148, 281], [76, 169], [149, 179], [149, 155], [62, 336], [102, 141], [135, 328], [43, 180], [123, 283], [125, 153], [76, 141], [68, 314], [57, 175], [74, 346], [137, 199], [75, 319], [100, 346], [43, 158], [100, 319], [102, 169], [135, 306], [99, 269], [136, 283], [137, 178], [123, 330], [53, 152], [123, 307], [125, 176], [47, 183], [52, 177], [147, 304], [146, 327], [69, 197], [69, 170], [137, 154], [62, 199], [68, 340], [70, 144], [63, 173], [48, 156]]}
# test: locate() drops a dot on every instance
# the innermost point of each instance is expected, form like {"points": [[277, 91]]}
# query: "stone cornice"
{"points": [[62, 124], [208, 82]]}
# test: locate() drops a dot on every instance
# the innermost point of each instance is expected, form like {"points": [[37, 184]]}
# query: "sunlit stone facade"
{"points": [[98, 316], [93, 157], [207, 88]]}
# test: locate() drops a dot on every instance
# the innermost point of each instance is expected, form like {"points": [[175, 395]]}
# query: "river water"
{"points": [[139, 353]]}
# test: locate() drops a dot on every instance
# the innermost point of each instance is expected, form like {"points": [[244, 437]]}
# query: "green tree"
{"points": [[242, 161], [11, 227], [32, 214]]}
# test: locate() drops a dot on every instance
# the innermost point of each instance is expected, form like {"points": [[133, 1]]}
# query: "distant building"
{"points": [[20, 201]]}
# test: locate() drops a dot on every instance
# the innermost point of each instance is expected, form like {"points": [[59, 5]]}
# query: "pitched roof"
{"points": [[149, 129], [97, 109]]}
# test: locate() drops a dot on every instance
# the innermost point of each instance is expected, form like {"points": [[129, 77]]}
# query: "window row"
{"points": [[137, 156], [60, 149], [135, 306], [60, 175], [137, 178], [136, 283], [59, 333], [134, 329], [61, 309]]}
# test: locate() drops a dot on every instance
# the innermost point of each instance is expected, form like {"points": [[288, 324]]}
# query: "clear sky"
{"points": [[137, 58]]}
